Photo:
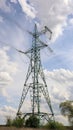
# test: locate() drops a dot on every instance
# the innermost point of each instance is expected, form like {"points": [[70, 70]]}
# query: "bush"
{"points": [[8, 121], [32, 121], [17, 122], [54, 125]]}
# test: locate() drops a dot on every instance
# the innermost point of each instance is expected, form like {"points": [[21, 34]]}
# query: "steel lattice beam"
{"points": [[35, 70]]}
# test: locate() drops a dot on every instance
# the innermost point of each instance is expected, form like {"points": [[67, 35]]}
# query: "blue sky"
{"points": [[17, 17]]}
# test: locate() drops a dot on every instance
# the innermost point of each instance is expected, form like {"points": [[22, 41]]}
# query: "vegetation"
{"points": [[67, 110], [8, 121], [17, 122], [32, 121], [54, 125]]}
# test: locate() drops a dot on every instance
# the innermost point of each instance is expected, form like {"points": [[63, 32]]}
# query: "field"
{"points": [[13, 128]]}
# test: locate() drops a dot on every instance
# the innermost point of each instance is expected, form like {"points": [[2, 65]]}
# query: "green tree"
{"points": [[32, 121], [67, 110]]}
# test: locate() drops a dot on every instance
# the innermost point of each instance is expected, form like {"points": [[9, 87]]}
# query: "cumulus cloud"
{"points": [[28, 9], [46, 12], [61, 83], [7, 70], [6, 65], [7, 111], [54, 14], [5, 77]]}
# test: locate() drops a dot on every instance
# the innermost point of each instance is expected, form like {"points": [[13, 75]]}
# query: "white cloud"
{"points": [[29, 10], [7, 111], [4, 6], [60, 84], [7, 71], [47, 12], [53, 13], [5, 77], [6, 65]]}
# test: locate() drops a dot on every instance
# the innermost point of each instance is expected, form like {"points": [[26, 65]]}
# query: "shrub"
{"points": [[55, 125], [8, 121], [32, 121], [18, 122]]}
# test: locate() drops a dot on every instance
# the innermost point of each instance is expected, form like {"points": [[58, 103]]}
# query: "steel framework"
{"points": [[36, 72]]}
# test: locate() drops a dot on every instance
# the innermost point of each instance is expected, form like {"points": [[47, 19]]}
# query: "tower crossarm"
{"points": [[45, 30], [38, 34], [42, 43], [26, 52], [45, 45]]}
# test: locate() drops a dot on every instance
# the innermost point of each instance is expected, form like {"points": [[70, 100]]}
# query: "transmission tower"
{"points": [[36, 72]]}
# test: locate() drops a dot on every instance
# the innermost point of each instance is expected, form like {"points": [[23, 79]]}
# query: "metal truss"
{"points": [[36, 72]]}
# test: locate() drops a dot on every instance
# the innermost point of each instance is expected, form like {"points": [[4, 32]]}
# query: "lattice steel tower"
{"points": [[36, 72]]}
